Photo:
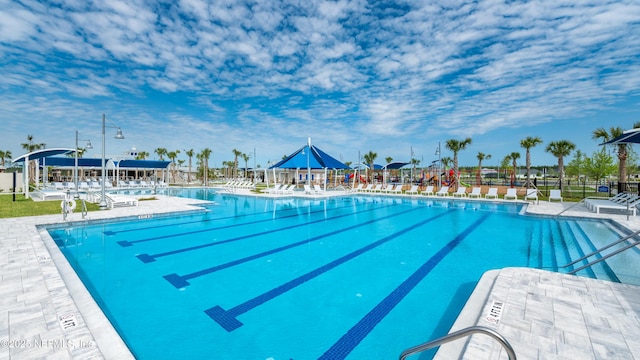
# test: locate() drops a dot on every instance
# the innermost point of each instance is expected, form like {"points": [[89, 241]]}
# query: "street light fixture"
{"points": [[75, 169], [103, 199]]}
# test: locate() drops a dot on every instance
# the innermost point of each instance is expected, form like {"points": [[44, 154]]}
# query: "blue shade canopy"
{"points": [[318, 159], [628, 137], [69, 162], [39, 154], [396, 165], [143, 164]]}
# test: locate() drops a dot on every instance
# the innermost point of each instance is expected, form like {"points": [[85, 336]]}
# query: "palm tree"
{"points": [[528, 143], [246, 158], [205, 154], [236, 153], [560, 149], [30, 146], [5, 155], [172, 155], [189, 153], [481, 156], [514, 156], [602, 134], [446, 162], [369, 158], [160, 152], [455, 146], [142, 155]]}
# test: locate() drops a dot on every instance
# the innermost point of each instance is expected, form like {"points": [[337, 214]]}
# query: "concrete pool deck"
{"points": [[45, 311]]}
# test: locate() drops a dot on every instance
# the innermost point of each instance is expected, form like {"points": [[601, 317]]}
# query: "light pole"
{"points": [[103, 200], [75, 169]]}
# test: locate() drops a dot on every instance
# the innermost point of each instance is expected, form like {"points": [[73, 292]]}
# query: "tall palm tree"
{"points": [[189, 153], [369, 158], [205, 154], [172, 155], [161, 152], [481, 156], [246, 158], [560, 149], [514, 156], [30, 146], [456, 146], [528, 143], [602, 134], [236, 153], [446, 162]]}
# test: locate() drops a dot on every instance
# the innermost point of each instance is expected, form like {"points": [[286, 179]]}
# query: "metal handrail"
{"points": [[578, 203], [605, 257], [603, 248], [84, 209], [457, 335]]}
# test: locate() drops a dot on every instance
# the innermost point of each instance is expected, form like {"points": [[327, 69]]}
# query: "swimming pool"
{"points": [[351, 277]]}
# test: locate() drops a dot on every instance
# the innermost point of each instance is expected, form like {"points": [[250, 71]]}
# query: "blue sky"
{"points": [[387, 77]]}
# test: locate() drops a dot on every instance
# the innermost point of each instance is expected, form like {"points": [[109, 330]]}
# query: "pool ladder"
{"points": [[460, 334]]}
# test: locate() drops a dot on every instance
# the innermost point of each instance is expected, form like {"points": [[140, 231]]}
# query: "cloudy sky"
{"points": [[355, 76]]}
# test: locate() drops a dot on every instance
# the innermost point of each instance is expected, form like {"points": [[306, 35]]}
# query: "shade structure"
{"points": [[628, 137], [309, 157], [142, 164], [44, 153], [70, 162]]}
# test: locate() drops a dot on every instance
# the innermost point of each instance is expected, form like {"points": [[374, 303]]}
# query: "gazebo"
{"points": [[310, 157]]}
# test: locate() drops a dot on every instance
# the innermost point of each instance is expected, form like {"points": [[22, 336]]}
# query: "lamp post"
{"points": [[103, 200], [75, 169]]}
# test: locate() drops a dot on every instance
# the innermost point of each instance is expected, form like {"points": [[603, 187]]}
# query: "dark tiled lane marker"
{"points": [[227, 318], [146, 258], [181, 281], [126, 243], [354, 336]]}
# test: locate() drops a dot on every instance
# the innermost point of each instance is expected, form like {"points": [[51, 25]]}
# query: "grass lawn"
{"points": [[28, 207]]}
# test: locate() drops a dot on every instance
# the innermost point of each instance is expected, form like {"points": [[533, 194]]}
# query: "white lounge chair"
{"points": [[475, 193], [512, 194], [555, 195], [413, 190], [631, 206], [308, 190], [461, 192], [396, 190], [317, 189], [444, 191], [532, 194], [428, 191], [492, 193]]}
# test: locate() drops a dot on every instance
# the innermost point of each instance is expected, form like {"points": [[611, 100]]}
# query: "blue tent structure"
{"points": [[309, 157], [314, 159]]}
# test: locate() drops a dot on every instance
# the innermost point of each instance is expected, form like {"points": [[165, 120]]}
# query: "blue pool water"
{"points": [[353, 277]]}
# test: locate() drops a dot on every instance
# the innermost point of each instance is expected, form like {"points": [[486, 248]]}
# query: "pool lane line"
{"points": [[126, 243], [112, 233], [228, 318], [343, 347], [182, 281], [146, 258]]}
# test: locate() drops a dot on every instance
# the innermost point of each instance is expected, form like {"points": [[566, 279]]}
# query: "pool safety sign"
{"points": [[495, 312]]}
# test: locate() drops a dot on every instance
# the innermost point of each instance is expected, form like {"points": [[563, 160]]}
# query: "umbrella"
{"points": [[628, 137]]}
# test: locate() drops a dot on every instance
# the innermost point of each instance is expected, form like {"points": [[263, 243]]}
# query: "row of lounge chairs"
{"points": [[620, 202], [239, 185]]}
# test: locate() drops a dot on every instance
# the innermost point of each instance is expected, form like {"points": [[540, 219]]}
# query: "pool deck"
{"points": [[47, 313]]}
